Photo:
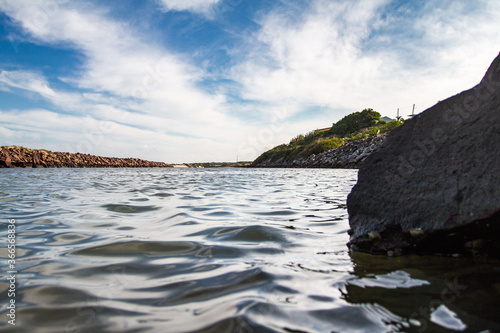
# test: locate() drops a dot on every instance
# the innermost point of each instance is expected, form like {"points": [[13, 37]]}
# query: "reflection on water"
{"points": [[235, 250]]}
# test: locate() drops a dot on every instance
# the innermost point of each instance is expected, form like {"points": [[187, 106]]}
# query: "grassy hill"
{"points": [[356, 126]]}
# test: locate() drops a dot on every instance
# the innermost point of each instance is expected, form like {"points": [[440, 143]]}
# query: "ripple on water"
{"points": [[55, 295], [88, 316], [210, 287], [253, 233], [139, 199], [190, 197], [276, 213], [163, 195], [129, 209], [159, 249], [68, 238], [50, 222], [349, 318], [219, 213], [9, 199], [234, 250]]}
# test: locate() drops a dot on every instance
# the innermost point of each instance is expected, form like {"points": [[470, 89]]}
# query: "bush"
{"points": [[304, 140], [383, 128], [354, 122], [297, 140], [327, 144], [393, 124], [320, 146]]}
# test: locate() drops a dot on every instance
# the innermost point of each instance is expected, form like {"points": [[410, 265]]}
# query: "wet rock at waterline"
{"points": [[434, 185]]}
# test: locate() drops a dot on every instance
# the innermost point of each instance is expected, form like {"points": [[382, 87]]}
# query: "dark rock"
{"points": [[434, 185]]}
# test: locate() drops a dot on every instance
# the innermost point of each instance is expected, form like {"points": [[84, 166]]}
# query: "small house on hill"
{"points": [[386, 119], [322, 130]]}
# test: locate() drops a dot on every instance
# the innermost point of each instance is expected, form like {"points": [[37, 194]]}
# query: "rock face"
{"points": [[434, 185], [20, 157], [348, 156]]}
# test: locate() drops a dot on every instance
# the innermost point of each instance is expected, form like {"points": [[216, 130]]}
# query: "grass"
{"points": [[319, 142]]}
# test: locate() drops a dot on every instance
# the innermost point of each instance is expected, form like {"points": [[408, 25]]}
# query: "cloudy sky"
{"points": [[216, 80]]}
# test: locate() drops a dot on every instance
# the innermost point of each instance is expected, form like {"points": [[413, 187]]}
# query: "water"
{"points": [[218, 250]]}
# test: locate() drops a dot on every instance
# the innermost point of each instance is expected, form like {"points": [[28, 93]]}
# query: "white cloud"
{"points": [[117, 60], [37, 83], [309, 56], [6, 133], [197, 6], [124, 80], [40, 128], [341, 56], [27, 81], [337, 54]]}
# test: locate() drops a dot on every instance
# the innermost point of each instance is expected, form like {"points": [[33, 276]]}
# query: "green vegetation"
{"points": [[354, 122], [356, 126], [380, 128]]}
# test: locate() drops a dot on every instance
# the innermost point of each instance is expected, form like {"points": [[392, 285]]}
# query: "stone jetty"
{"points": [[20, 157]]}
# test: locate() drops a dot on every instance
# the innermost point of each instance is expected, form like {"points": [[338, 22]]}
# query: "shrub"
{"points": [[320, 146], [383, 128], [354, 122], [304, 140], [297, 140]]}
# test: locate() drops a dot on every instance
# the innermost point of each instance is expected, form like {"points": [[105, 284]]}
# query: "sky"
{"points": [[182, 81]]}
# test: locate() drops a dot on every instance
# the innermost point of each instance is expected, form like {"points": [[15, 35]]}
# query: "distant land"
{"points": [[344, 145], [21, 157], [241, 164]]}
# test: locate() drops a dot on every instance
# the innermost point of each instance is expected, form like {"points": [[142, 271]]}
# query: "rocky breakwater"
{"points": [[350, 155], [20, 157], [434, 185]]}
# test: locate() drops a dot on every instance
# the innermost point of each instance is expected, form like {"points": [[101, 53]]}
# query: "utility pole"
{"points": [[413, 111], [397, 118]]}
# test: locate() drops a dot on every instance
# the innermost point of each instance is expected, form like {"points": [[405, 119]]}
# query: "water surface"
{"points": [[219, 250]]}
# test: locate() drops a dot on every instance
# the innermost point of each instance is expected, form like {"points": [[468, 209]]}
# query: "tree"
{"points": [[354, 122]]}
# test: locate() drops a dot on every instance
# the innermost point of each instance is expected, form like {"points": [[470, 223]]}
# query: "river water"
{"points": [[217, 250]]}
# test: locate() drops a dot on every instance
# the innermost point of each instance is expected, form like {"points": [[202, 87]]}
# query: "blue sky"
{"points": [[216, 80]]}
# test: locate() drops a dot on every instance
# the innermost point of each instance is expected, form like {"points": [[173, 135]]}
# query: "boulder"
{"points": [[36, 159], [5, 161], [434, 184]]}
